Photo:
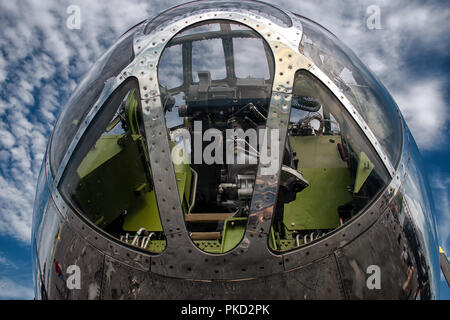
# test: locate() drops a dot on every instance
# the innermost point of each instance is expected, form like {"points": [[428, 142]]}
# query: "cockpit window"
{"points": [[213, 119], [245, 65], [173, 61], [208, 55], [359, 85], [337, 171], [85, 96], [109, 180], [262, 9]]}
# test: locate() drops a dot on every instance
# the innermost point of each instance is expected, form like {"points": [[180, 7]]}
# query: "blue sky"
{"points": [[41, 61]]}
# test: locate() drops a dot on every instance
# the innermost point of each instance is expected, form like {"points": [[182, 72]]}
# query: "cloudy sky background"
{"points": [[41, 61]]}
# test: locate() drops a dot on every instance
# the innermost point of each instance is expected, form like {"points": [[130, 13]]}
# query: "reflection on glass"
{"points": [[359, 85], [109, 179], [40, 205], [173, 60], [256, 7], [85, 96], [226, 80], [340, 171], [40, 201], [208, 55], [421, 231], [245, 64], [46, 240]]}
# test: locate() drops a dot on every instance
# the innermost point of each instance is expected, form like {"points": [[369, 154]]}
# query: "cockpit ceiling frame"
{"points": [[226, 36], [284, 43]]}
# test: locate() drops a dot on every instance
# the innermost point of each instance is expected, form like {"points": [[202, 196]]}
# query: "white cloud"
{"points": [[6, 263], [7, 140], [425, 110], [3, 71], [13, 290]]}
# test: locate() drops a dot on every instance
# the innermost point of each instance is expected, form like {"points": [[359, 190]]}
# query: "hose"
{"points": [[146, 240], [138, 233], [305, 103], [297, 240]]}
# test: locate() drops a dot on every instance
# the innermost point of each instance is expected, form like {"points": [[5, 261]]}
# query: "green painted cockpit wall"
{"points": [[113, 182], [113, 179], [109, 164], [316, 207]]}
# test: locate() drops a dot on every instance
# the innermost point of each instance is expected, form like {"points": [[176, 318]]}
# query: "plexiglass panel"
{"points": [[40, 205], [109, 179], [213, 119], [47, 237], [208, 55], [418, 213], [359, 85], [85, 96], [184, 10], [339, 170], [40, 201]]}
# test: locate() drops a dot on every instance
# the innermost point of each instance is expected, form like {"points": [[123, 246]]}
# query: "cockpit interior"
{"points": [[218, 75]]}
